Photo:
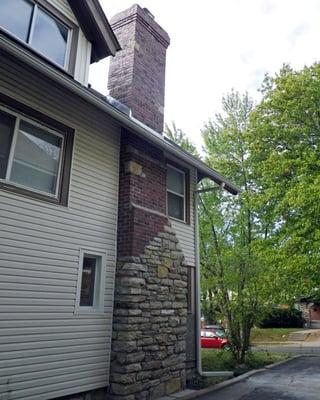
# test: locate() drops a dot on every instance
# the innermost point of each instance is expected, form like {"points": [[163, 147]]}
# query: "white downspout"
{"points": [[198, 293]]}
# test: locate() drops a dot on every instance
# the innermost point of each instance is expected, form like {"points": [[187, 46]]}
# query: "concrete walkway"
{"points": [[297, 379], [292, 348], [306, 334], [309, 345]]}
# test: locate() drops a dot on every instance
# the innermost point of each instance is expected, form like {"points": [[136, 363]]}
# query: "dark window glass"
{"points": [[87, 282], [49, 37], [15, 17], [36, 27], [175, 181], [175, 206], [36, 158], [7, 123], [176, 193]]}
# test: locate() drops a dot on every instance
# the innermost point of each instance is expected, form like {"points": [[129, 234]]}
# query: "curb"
{"points": [[232, 381]]}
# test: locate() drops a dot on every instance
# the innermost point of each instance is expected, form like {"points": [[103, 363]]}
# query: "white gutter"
{"points": [[198, 294], [147, 133]]}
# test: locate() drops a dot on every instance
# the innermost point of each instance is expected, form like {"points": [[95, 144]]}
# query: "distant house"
{"points": [[97, 217], [310, 308]]}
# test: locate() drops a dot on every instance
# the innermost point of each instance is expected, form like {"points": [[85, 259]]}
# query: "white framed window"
{"points": [[176, 193], [91, 282], [30, 154], [38, 28]]}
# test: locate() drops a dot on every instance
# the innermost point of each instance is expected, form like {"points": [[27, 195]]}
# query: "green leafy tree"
{"points": [[285, 148], [232, 275], [177, 136]]}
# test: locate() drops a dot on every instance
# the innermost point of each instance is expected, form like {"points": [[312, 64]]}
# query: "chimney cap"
{"points": [[149, 12]]}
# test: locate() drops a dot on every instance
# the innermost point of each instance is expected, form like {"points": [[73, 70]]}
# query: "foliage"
{"points": [[232, 274], [198, 382], [281, 318], [219, 360], [261, 248], [267, 239], [284, 146], [260, 359], [209, 309], [179, 137]]}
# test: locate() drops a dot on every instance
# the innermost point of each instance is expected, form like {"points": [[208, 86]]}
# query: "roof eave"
{"points": [[96, 28], [129, 122]]}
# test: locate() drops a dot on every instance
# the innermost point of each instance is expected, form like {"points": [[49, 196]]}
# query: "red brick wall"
{"points": [[137, 72], [144, 187], [315, 312]]}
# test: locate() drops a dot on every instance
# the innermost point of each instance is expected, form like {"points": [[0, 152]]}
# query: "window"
{"points": [[90, 289], [89, 267], [34, 159], [176, 190], [38, 28]]}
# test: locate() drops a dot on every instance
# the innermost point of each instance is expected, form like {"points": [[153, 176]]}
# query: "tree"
{"points": [[284, 146], [232, 275], [177, 136]]}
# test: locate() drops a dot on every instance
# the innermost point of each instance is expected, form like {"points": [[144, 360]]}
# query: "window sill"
{"points": [[18, 190], [88, 311], [179, 220]]}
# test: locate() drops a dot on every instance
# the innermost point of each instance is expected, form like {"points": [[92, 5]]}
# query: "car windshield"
{"points": [[220, 333]]}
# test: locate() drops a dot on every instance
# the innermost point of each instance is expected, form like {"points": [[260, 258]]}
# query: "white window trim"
{"points": [[184, 220], [68, 44], [30, 34], [7, 180], [99, 287]]}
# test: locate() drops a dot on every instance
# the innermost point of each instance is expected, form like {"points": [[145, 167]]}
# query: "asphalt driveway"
{"points": [[298, 379]]}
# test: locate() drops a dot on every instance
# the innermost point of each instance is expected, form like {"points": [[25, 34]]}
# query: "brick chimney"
{"points": [[137, 72]]}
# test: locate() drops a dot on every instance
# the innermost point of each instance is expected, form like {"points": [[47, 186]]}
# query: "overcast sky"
{"points": [[217, 45]]}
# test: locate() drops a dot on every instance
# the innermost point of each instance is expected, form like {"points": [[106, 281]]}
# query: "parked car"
{"points": [[214, 338], [215, 326]]}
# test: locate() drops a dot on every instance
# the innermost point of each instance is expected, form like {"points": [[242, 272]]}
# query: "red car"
{"points": [[214, 338]]}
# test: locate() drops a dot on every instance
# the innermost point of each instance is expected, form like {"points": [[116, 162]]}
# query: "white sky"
{"points": [[217, 45]]}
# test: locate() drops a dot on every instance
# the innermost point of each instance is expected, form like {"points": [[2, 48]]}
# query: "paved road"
{"points": [[296, 380]]}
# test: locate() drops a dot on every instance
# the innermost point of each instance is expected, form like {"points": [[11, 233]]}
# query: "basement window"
{"points": [[33, 157], [176, 193], [90, 288], [38, 28]]}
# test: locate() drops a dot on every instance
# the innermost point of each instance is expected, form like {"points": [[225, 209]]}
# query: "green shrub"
{"points": [[217, 360], [281, 318]]}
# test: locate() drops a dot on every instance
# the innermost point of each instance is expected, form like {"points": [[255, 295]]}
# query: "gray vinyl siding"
{"points": [[185, 232], [46, 350]]}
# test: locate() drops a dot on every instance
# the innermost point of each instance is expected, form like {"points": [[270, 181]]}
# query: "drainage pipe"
{"points": [[198, 291]]}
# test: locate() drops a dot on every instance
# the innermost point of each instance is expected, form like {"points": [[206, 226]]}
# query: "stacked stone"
{"points": [[305, 312], [150, 317]]}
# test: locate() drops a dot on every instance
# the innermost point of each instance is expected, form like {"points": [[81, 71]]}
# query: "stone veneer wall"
{"points": [[149, 328], [150, 304], [305, 312]]}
